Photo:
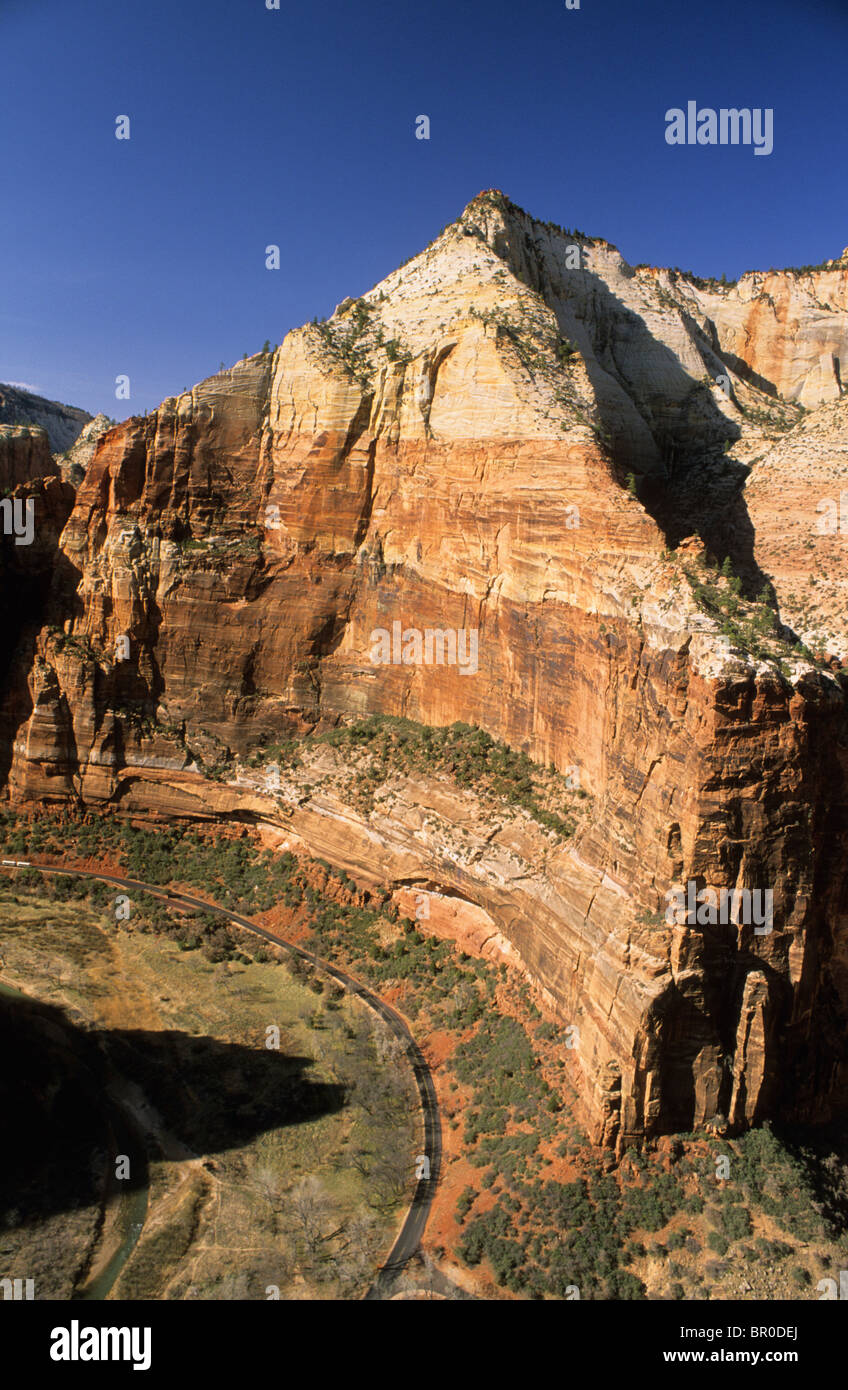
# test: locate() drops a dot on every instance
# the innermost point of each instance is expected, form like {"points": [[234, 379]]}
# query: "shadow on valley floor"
{"points": [[68, 1107]]}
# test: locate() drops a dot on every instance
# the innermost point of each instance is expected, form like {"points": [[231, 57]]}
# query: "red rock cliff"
{"points": [[452, 452]]}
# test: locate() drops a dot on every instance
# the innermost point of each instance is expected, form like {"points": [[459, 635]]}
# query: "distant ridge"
{"points": [[63, 423]]}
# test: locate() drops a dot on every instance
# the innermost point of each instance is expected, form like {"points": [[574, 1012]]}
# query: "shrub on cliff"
{"points": [[735, 1222]]}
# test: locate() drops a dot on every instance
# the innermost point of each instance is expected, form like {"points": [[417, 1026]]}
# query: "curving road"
{"points": [[409, 1237]]}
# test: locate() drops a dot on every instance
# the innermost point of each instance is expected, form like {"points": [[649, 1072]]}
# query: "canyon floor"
{"points": [[234, 1087], [240, 1201]]}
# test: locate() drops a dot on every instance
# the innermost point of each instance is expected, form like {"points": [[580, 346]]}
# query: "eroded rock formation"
{"points": [[24, 454], [62, 423], [517, 434]]}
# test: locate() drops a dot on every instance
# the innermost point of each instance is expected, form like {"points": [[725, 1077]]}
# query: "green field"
{"points": [[252, 1153]]}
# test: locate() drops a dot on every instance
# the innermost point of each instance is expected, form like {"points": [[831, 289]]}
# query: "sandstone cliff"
{"points": [[62, 423], [518, 434], [75, 460], [24, 454]]}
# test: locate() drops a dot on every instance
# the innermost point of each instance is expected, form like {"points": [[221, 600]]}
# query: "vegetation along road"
{"points": [[409, 1237]]}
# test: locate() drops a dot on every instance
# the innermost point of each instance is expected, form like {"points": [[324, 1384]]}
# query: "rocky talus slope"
{"points": [[520, 435]]}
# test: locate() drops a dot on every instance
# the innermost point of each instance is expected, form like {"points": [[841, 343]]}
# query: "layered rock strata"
{"points": [[61, 423], [506, 437]]}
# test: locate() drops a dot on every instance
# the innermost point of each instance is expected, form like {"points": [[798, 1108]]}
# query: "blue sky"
{"points": [[296, 127]]}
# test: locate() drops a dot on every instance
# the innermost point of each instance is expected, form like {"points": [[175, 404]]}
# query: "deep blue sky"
{"points": [[252, 126]]}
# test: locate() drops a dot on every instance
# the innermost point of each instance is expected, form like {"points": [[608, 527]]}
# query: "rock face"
{"points": [[24, 454], [520, 437], [75, 460], [798, 505], [785, 330], [62, 423]]}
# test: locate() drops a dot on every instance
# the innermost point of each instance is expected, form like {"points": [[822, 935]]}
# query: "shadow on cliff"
{"points": [[664, 428], [822, 1157], [28, 576], [69, 1110], [692, 488], [47, 594], [695, 1032]]}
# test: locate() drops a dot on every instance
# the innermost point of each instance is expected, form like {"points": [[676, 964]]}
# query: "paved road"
{"points": [[412, 1230]]}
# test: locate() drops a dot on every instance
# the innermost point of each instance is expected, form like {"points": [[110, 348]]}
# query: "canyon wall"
{"points": [[24, 454], [61, 423], [516, 434]]}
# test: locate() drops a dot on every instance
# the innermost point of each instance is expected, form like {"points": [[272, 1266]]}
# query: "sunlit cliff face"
{"points": [[531, 451]]}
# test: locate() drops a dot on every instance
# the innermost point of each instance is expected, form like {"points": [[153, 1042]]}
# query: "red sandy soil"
{"points": [[452, 922]]}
